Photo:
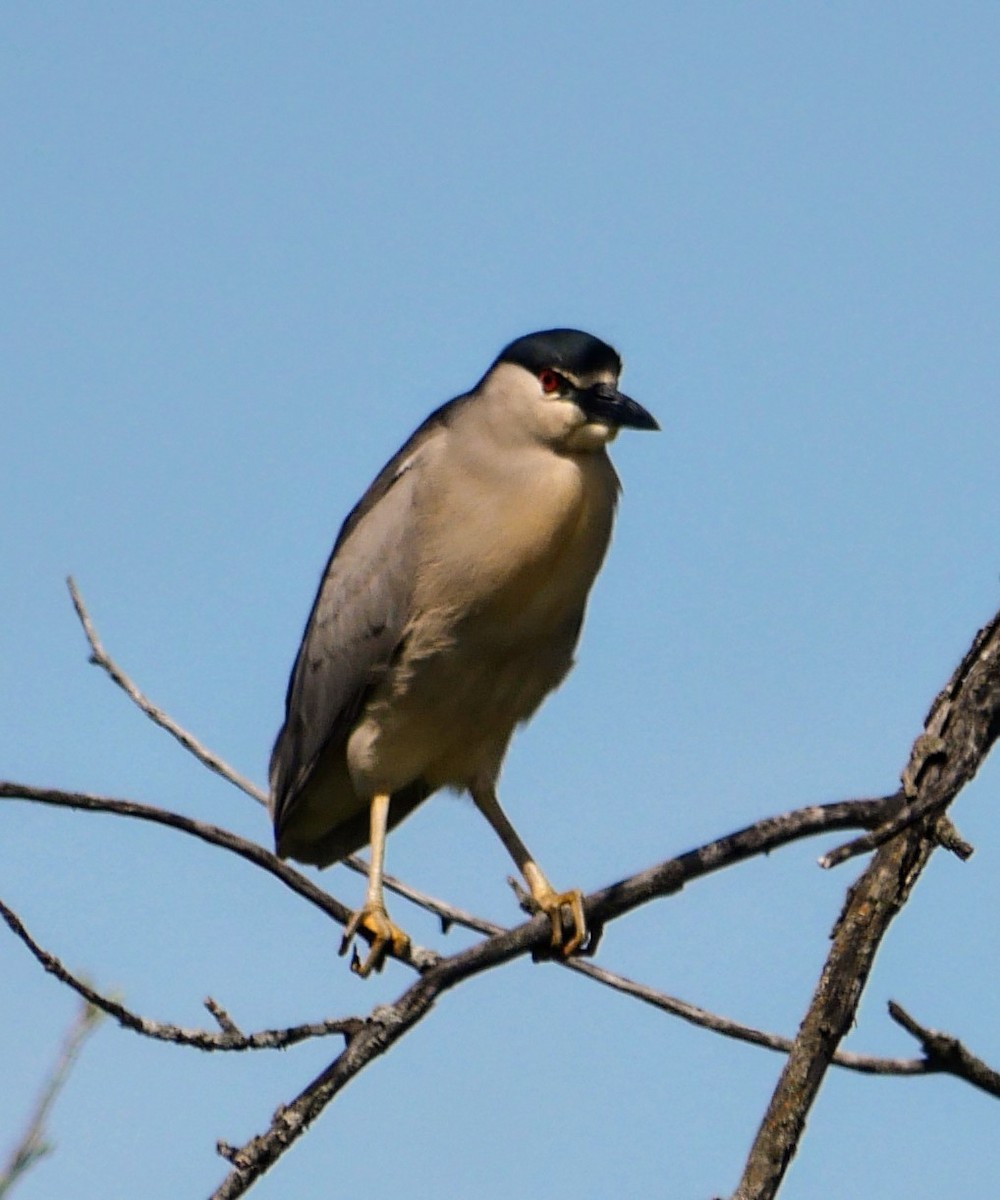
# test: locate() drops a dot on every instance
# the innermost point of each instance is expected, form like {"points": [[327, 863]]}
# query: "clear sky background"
{"points": [[245, 249]]}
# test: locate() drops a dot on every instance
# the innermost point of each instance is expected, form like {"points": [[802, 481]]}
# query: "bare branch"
{"points": [[907, 816], [531, 936], [601, 906], [661, 1000], [831, 817], [385, 1026], [947, 1054], [215, 836], [223, 1019], [417, 957], [32, 1145], [864, 1063], [960, 730], [760, 838], [99, 657], [390, 1022], [230, 1037]]}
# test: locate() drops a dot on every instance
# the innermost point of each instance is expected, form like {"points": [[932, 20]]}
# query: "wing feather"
{"points": [[356, 623]]}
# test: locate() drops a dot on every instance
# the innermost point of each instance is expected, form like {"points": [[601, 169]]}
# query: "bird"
{"points": [[450, 607]]}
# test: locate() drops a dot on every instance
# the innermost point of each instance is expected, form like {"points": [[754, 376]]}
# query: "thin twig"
{"points": [[32, 1145], [446, 913], [947, 1054], [99, 657], [865, 1063], [907, 816], [229, 1038]]}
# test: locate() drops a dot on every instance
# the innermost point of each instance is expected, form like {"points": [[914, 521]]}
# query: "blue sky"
{"points": [[245, 249]]}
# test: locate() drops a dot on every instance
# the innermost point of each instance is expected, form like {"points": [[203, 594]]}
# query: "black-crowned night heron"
{"points": [[449, 609]]}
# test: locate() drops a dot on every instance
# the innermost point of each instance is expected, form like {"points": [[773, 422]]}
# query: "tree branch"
{"points": [[601, 906], [271, 1039], [961, 727], [386, 1025], [832, 817], [212, 834], [229, 1038]]}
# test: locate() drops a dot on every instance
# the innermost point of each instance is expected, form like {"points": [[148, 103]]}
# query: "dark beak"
{"points": [[603, 402]]}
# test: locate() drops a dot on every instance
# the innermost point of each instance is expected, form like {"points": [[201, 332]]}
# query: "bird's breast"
{"points": [[518, 552], [506, 565]]}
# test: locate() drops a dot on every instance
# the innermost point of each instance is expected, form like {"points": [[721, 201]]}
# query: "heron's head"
{"points": [[560, 387]]}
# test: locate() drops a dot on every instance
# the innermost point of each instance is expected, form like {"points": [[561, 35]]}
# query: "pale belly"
{"points": [[448, 718]]}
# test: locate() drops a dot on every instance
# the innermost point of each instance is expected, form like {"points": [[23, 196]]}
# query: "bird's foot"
{"points": [[551, 903], [374, 920]]}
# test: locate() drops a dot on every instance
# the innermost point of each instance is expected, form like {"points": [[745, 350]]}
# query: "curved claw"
{"points": [[551, 903], [374, 920]]}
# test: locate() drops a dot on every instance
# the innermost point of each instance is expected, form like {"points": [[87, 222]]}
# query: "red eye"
{"points": [[549, 380]]}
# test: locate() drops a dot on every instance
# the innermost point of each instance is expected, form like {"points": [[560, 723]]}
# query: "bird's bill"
{"points": [[603, 402]]}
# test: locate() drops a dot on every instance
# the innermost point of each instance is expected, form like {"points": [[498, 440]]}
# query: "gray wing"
{"points": [[356, 623]]}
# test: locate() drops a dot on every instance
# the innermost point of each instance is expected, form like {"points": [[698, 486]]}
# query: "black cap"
{"points": [[566, 349]]}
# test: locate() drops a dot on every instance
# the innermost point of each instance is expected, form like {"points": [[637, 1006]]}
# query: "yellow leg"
{"points": [[542, 892], [371, 916]]}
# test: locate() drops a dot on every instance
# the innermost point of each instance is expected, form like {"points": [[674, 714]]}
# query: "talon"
{"points": [[551, 903], [350, 929], [373, 921]]}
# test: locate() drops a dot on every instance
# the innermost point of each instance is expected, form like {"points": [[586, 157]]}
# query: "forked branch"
{"points": [[959, 732]]}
